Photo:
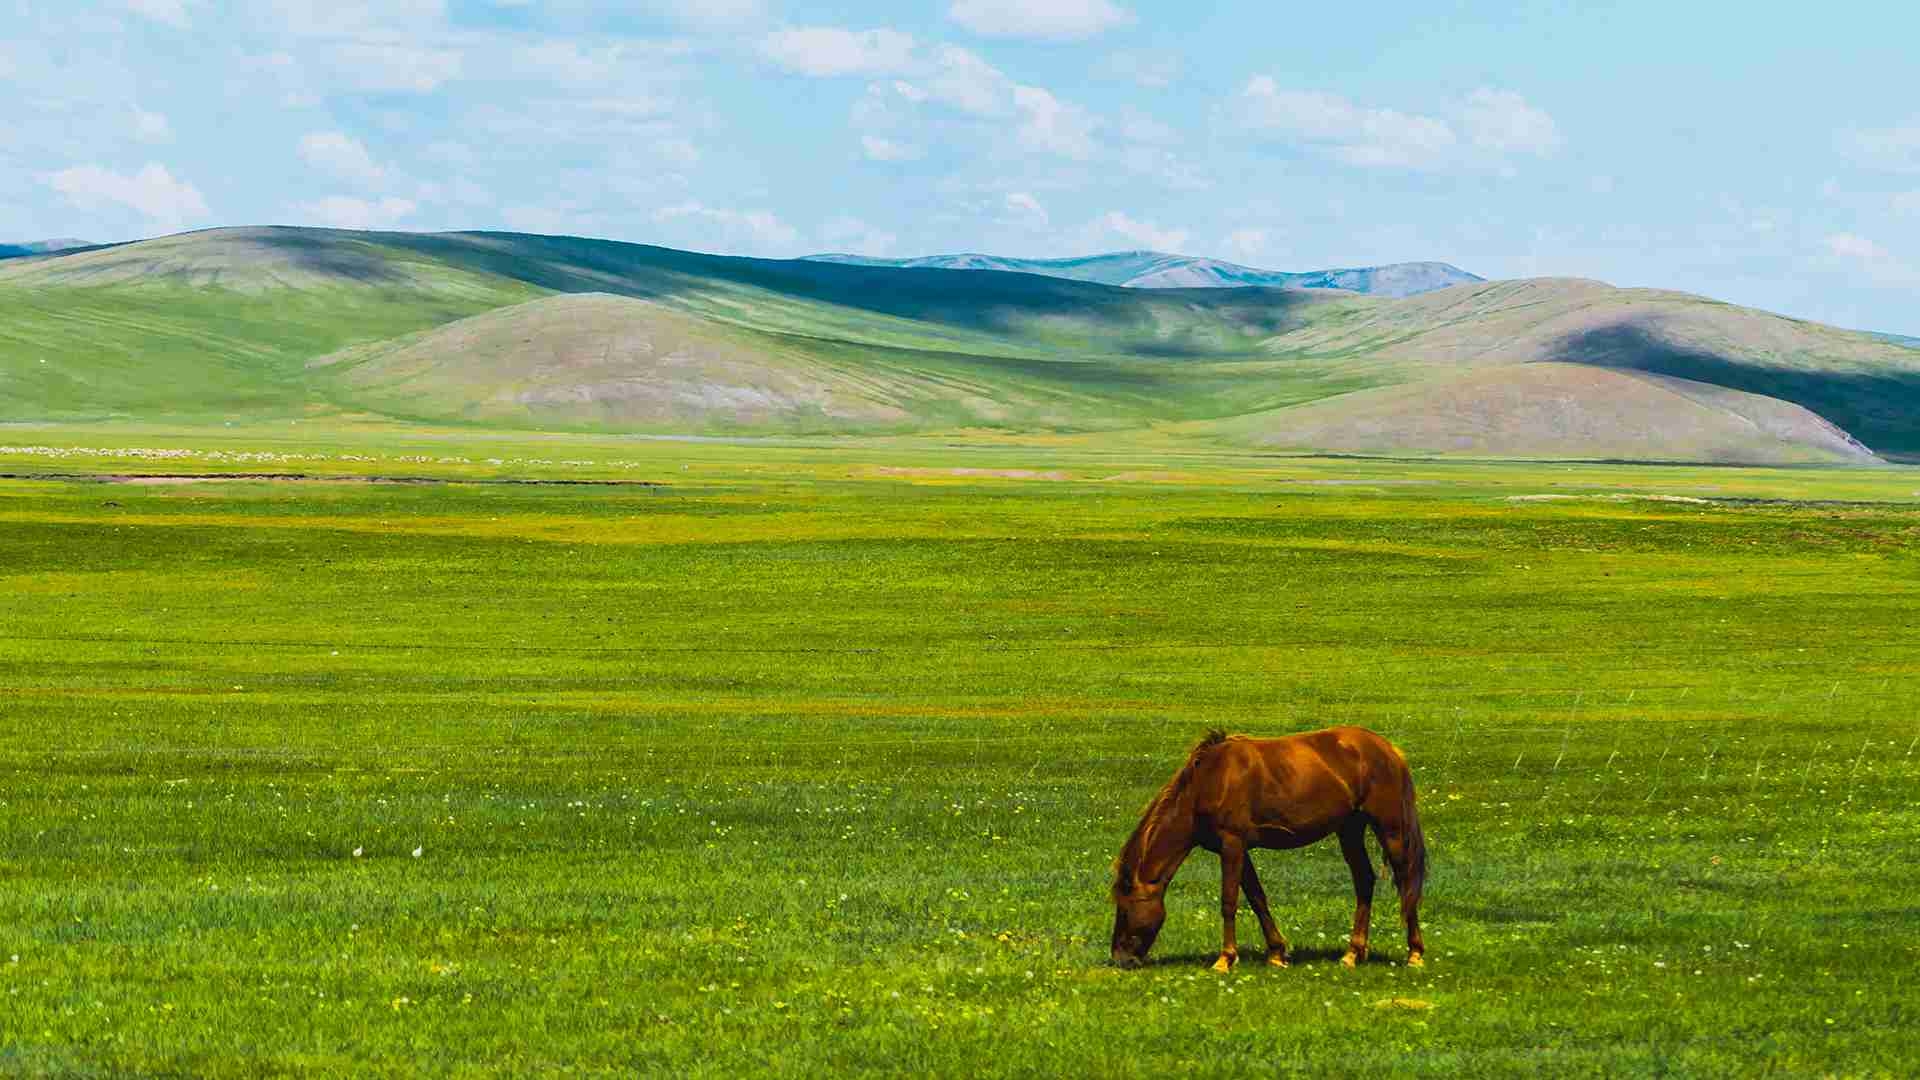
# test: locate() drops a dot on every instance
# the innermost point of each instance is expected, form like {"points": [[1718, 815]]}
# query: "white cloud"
{"points": [[374, 46], [1484, 130], [1345, 131], [568, 63], [1881, 266], [677, 151], [365, 46], [343, 156], [826, 51], [1850, 246], [464, 191], [385, 66], [1892, 149], [1153, 70], [550, 220], [707, 14], [347, 18], [883, 149], [151, 127], [346, 212], [966, 82], [889, 114], [153, 192], [1247, 243], [961, 80], [1502, 121], [751, 231], [1052, 126], [171, 12], [849, 234], [1022, 208], [1172, 170], [1142, 234], [1046, 19], [1136, 126]]}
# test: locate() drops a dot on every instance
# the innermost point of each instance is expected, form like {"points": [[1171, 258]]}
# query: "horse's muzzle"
{"points": [[1125, 961]]}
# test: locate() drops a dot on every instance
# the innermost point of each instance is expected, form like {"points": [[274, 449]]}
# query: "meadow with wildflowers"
{"points": [[780, 757]]}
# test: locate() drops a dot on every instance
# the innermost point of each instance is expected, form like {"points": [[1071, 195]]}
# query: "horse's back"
{"points": [[1348, 750], [1296, 788]]}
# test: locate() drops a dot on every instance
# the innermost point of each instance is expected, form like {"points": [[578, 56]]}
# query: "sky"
{"points": [[1759, 153]]}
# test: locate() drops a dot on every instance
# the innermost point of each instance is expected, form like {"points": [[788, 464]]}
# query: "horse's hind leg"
{"points": [[1257, 899], [1394, 843], [1353, 844], [1233, 857]]}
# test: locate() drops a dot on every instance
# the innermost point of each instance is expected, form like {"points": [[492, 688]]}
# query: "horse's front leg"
{"points": [[1233, 855], [1257, 899]]}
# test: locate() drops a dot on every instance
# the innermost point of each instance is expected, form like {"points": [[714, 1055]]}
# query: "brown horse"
{"points": [[1236, 794]]}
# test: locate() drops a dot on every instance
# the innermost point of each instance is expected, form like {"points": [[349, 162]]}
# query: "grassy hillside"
{"points": [[210, 326], [228, 324], [210, 323], [1860, 382], [1554, 410], [592, 361]]}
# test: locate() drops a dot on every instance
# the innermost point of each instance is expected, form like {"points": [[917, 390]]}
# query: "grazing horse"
{"points": [[1235, 794]]}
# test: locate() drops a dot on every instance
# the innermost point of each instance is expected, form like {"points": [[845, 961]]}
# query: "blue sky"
{"points": [[1765, 154]]}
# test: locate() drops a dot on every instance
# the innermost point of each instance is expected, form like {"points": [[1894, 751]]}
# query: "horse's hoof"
{"points": [[1416, 960], [1223, 965], [1350, 960], [1275, 959]]}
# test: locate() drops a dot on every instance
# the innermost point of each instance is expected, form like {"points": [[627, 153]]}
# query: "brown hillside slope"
{"points": [[593, 360], [1863, 383], [1564, 411]]}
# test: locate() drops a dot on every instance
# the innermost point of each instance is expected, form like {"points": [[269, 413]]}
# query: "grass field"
{"points": [[812, 759]]}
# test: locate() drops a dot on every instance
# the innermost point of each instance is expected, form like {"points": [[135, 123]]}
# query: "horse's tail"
{"points": [[1416, 841]]}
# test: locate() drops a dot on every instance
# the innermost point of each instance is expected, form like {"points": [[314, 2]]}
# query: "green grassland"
{"points": [[809, 757]]}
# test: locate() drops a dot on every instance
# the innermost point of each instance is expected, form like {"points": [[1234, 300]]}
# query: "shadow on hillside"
{"points": [[320, 252], [1069, 315], [1881, 409]]}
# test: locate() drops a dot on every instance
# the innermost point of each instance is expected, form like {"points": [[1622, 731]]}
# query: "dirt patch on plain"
{"points": [[997, 474], [170, 479]]}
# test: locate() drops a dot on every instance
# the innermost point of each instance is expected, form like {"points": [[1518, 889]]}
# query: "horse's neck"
{"points": [[1168, 841]]}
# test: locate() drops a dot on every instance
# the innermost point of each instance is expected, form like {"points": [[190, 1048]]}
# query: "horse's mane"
{"points": [[1136, 846]]}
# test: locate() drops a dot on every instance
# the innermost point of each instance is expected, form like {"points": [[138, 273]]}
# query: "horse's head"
{"points": [[1149, 860], [1138, 912]]}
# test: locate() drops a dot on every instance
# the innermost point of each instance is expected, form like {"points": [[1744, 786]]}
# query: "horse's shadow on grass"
{"points": [[1254, 958]]}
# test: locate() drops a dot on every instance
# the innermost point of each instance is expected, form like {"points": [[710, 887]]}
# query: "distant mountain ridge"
{"points": [[1158, 270], [40, 247]]}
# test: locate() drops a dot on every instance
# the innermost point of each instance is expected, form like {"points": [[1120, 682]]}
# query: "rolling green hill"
{"points": [[597, 361], [511, 330], [226, 321]]}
